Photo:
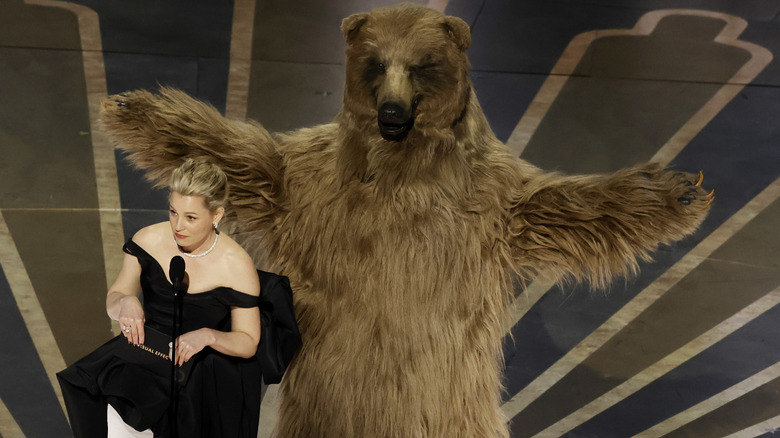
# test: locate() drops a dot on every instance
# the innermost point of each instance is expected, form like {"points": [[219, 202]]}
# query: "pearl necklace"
{"points": [[216, 237]]}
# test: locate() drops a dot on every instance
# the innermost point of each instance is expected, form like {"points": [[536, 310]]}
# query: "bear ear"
{"points": [[458, 31], [352, 24]]}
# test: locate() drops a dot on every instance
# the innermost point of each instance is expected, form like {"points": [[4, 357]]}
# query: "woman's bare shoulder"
{"points": [[240, 268], [152, 236]]}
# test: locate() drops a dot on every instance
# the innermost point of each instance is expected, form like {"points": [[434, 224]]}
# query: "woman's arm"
{"points": [[240, 341], [122, 302], [244, 335]]}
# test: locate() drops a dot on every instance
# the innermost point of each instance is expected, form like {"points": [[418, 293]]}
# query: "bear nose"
{"points": [[392, 112]]}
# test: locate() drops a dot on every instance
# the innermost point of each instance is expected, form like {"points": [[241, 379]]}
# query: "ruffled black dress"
{"points": [[222, 395]]}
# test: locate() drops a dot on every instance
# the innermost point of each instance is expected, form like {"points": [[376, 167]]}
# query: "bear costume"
{"points": [[402, 226]]}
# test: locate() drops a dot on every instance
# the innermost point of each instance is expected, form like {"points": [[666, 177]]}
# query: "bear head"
{"points": [[406, 72]]}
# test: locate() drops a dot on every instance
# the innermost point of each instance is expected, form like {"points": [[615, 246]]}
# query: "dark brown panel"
{"points": [[23, 25], [63, 254]]}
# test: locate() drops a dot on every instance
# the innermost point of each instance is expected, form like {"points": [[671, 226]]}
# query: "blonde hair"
{"points": [[201, 178]]}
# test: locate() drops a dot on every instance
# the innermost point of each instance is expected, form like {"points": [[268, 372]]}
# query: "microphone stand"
{"points": [[176, 273]]}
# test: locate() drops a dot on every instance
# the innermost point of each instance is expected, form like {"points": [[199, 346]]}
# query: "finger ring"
{"points": [[126, 329]]}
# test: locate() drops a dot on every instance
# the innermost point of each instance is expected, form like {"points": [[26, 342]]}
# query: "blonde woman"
{"points": [[108, 396]]}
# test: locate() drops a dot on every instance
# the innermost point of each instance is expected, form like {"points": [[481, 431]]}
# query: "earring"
{"points": [[215, 225]]}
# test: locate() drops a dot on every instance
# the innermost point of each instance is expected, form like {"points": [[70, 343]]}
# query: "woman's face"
{"points": [[190, 219]]}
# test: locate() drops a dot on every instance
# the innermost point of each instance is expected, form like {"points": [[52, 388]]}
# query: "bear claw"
{"points": [[700, 178], [710, 198]]}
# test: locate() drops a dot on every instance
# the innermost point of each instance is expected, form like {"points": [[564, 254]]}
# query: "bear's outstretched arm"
{"points": [[161, 130], [597, 227]]}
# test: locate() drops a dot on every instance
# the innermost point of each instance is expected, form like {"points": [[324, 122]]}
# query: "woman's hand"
{"points": [[131, 319], [191, 343]]}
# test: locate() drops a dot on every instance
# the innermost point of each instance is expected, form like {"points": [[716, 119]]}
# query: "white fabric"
{"points": [[117, 428]]}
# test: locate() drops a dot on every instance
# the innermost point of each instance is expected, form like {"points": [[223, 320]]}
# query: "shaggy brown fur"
{"points": [[400, 236]]}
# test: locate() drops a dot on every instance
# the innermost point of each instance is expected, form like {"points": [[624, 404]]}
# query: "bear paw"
{"points": [[124, 101], [694, 195]]}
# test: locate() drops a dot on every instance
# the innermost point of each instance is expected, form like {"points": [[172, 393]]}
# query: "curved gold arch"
{"points": [[571, 57], [103, 152]]}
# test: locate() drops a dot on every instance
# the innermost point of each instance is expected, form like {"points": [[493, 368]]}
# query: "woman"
{"points": [[220, 326]]}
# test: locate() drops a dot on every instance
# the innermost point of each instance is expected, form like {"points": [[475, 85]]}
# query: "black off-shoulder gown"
{"points": [[221, 397]]}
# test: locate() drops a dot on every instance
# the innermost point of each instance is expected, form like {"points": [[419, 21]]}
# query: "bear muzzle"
{"points": [[395, 121]]}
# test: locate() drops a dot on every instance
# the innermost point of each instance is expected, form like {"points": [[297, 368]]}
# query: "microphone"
{"points": [[176, 272]]}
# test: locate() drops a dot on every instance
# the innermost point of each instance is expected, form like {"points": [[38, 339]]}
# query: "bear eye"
{"points": [[423, 68], [427, 62], [374, 68]]}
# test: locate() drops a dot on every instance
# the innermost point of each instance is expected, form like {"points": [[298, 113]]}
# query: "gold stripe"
{"points": [[268, 412], [103, 153], [769, 426], [566, 65], [642, 301], [30, 308], [715, 402], [663, 366], [8, 426], [240, 59], [523, 302]]}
